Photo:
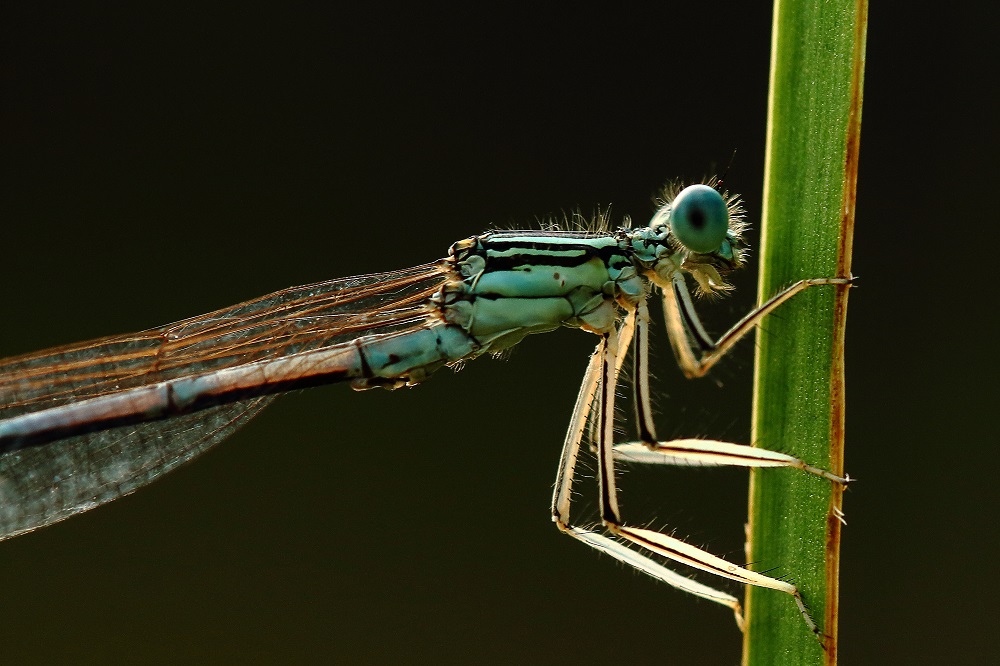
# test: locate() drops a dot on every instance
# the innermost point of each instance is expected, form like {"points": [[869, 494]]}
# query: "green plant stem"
{"points": [[814, 120]]}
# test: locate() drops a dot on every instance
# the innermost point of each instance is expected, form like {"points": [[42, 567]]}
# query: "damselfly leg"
{"points": [[600, 379]]}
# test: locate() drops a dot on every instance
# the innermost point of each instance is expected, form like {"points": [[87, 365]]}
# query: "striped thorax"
{"points": [[508, 285]]}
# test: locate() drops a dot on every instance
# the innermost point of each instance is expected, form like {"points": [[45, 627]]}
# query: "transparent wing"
{"points": [[44, 484], [286, 322]]}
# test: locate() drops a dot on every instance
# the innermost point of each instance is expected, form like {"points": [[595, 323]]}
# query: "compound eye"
{"points": [[699, 219]]}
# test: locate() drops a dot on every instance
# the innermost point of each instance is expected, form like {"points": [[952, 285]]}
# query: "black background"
{"points": [[160, 163]]}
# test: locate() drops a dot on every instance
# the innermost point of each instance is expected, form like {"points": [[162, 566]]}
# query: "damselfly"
{"points": [[85, 424]]}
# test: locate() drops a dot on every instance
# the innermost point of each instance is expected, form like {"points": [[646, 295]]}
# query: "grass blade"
{"points": [[814, 120]]}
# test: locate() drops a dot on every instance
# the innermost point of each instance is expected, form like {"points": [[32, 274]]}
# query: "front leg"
{"points": [[691, 451], [681, 319]]}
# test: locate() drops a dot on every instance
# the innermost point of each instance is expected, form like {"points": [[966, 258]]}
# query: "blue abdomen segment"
{"points": [[410, 357]]}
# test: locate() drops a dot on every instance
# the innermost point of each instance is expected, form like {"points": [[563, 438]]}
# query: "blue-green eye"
{"points": [[699, 218]]}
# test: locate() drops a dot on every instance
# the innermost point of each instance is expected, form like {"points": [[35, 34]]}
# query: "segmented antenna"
{"points": [[720, 181]]}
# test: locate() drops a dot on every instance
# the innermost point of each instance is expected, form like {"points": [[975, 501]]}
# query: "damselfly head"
{"points": [[704, 224]]}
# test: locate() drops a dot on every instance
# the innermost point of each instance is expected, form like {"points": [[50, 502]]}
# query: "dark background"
{"points": [[161, 163]]}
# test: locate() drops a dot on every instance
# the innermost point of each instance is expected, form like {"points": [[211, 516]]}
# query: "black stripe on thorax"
{"points": [[503, 255]]}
